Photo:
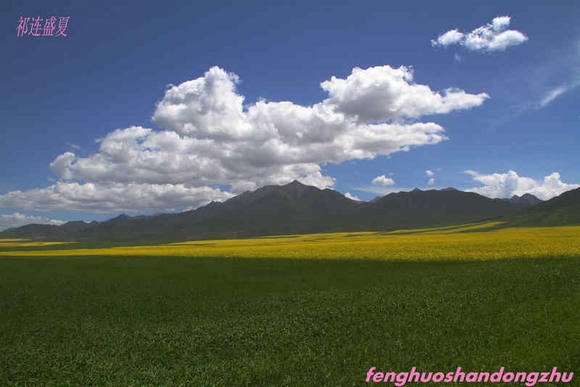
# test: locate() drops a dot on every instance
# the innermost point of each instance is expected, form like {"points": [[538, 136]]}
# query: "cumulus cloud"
{"points": [[493, 36], [352, 197], [383, 181], [381, 93], [17, 219], [210, 138], [505, 185], [448, 38]]}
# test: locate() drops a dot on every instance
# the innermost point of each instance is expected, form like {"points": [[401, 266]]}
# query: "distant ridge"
{"points": [[562, 210], [525, 199], [299, 208], [419, 208]]}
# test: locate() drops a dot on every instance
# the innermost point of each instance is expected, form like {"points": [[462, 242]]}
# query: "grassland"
{"points": [[165, 320]]}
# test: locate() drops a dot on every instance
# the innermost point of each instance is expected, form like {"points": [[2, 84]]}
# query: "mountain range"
{"points": [[298, 208]]}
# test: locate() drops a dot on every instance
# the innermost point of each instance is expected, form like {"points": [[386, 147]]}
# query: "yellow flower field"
{"points": [[456, 243], [27, 243]]}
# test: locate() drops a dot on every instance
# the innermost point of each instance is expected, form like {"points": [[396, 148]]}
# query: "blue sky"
{"points": [[507, 124]]}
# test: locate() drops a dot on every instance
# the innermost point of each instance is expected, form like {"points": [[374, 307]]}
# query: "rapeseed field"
{"points": [[468, 242]]}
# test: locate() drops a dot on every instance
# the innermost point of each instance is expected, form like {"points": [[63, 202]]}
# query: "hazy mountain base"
{"points": [[293, 209]]}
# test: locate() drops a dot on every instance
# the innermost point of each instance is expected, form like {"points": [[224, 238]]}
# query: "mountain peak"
{"points": [[120, 218], [295, 188], [525, 199], [294, 183]]}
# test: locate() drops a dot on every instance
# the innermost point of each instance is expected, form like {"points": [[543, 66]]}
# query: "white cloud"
{"points": [[352, 197], [493, 36], [552, 95], [211, 138], [431, 175], [381, 93], [107, 198], [505, 185], [383, 181], [448, 38], [206, 107], [17, 219]]}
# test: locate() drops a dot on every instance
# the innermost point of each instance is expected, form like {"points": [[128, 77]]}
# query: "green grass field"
{"points": [[130, 320]]}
